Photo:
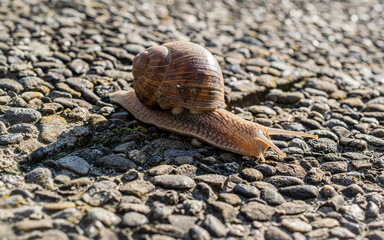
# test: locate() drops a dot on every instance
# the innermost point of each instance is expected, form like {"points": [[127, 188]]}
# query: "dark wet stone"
{"points": [[257, 211], [300, 191], [138, 188], [272, 197], [215, 226], [246, 190], [115, 162], [22, 115], [133, 219], [176, 182], [75, 164]]}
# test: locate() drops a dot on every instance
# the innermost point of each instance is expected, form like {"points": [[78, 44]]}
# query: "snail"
{"points": [[179, 87]]}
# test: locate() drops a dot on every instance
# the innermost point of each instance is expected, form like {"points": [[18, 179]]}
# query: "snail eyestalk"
{"points": [[276, 131]]}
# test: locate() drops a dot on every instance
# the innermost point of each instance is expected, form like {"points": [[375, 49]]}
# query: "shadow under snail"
{"points": [[176, 76]]}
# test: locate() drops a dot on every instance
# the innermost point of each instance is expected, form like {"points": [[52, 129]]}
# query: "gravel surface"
{"points": [[74, 166]]}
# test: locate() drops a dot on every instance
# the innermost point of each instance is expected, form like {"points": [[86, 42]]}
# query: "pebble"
{"points": [[216, 181], [272, 197], [40, 175], [300, 191], [22, 115], [284, 181], [257, 211], [138, 188], [251, 174], [215, 226], [341, 232], [101, 193], [30, 225], [296, 225], [11, 138], [176, 182], [100, 214], [8, 84], [133, 219], [116, 162], [59, 206], [325, 223], [246, 190], [75, 164], [275, 233], [199, 233]]}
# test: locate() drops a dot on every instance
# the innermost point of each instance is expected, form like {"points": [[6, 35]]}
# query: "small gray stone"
{"points": [[246, 190], [300, 191], [8, 84], [39, 175], [215, 226], [176, 182], [275, 233], [100, 214], [22, 115], [272, 197], [101, 193], [199, 233], [74, 164], [133, 219], [257, 211], [79, 66], [10, 138], [115, 162], [284, 181], [138, 188]]}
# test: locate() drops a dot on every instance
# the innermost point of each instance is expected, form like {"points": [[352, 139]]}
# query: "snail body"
{"points": [[179, 75]]}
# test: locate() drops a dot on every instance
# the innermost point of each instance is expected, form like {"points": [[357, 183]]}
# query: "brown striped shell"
{"points": [[178, 74]]}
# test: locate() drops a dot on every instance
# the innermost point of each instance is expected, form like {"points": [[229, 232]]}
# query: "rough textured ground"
{"points": [[75, 167]]}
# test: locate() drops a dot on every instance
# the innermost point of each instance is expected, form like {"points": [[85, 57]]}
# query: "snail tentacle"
{"points": [[260, 136], [276, 131]]}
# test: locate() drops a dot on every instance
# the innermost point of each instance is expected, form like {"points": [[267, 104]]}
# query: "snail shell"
{"points": [[178, 74]]}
